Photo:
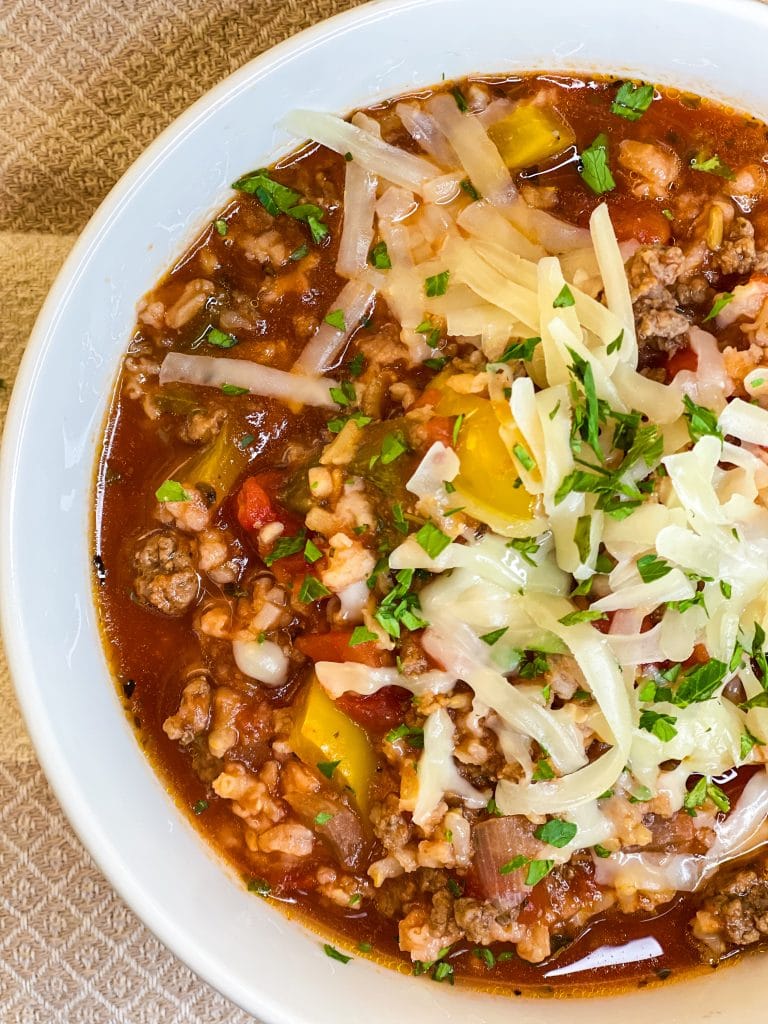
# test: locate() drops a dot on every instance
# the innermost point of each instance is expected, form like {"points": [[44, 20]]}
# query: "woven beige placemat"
{"points": [[85, 85]]}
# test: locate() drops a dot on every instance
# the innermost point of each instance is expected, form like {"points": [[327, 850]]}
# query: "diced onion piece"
{"points": [[354, 301], [265, 381], [496, 841], [637, 648], [264, 661], [375, 155], [437, 772], [357, 226], [478, 155]]}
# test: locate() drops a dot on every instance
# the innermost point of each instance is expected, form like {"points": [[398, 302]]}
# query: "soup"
{"points": [[430, 532]]}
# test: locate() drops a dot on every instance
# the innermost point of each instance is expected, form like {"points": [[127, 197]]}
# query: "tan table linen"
{"points": [[85, 85]]}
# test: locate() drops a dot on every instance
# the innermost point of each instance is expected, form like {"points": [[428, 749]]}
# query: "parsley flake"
{"points": [[595, 171], [632, 101], [432, 540], [171, 490]]}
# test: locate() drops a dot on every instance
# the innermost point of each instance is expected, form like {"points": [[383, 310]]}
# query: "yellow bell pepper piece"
{"points": [[530, 134], [488, 479], [322, 734]]}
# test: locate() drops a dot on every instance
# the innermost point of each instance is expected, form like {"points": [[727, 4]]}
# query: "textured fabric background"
{"points": [[85, 85]]}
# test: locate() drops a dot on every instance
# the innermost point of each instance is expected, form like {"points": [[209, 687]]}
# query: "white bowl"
{"points": [[242, 945]]}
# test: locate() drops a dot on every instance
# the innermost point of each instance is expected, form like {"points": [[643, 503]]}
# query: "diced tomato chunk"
{"points": [[380, 711], [253, 505], [256, 506], [430, 397], [334, 646], [439, 428], [683, 359], [642, 221]]}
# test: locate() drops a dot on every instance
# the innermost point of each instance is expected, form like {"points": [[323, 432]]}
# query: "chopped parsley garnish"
{"points": [[413, 734], [455, 887], [543, 771], [615, 345], [564, 298], [323, 817], [232, 390], [703, 790], [362, 635], [725, 589], [519, 350], [538, 869], [431, 333], [601, 851], [327, 768], [436, 362], [336, 319], [461, 103], [312, 552], [469, 188], [379, 257], [356, 365], [524, 457], [355, 900], [719, 305], [260, 886], [493, 808], [640, 795], [437, 284], [556, 832], [526, 547], [285, 546], [337, 424], [171, 490], [494, 636], [392, 447], [595, 171], [334, 954], [574, 618], [246, 441], [432, 540], [200, 806], [365, 947], [312, 590], [699, 683], [221, 226], [277, 199], [513, 865], [651, 568], [400, 606], [486, 955], [533, 665], [748, 741], [632, 101], [300, 253], [458, 423], [398, 518], [582, 537], [668, 214], [712, 165], [345, 395], [662, 726], [443, 972]]}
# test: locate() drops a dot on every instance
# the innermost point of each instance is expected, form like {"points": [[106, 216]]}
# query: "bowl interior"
{"points": [[150, 853]]}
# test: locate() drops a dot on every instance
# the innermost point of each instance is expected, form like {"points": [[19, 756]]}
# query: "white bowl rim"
{"points": [[39, 726]]}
